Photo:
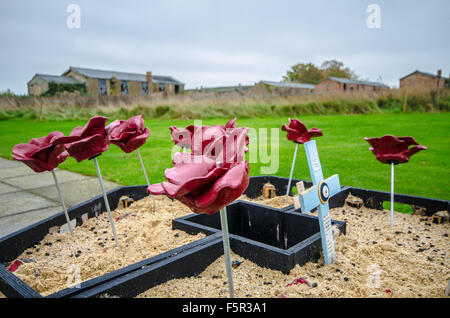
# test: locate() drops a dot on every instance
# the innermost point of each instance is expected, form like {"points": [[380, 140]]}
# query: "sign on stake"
{"points": [[318, 196]]}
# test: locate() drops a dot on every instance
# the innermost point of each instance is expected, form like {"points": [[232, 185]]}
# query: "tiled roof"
{"points": [[123, 76], [57, 79], [355, 82], [423, 73], [290, 84]]}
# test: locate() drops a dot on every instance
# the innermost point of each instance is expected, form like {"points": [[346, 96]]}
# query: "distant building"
{"points": [[340, 84], [422, 80], [100, 82], [240, 89], [281, 88], [39, 83]]}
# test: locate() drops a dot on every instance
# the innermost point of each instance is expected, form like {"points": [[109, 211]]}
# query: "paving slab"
{"points": [[21, 170], [12, 223], [26, 197], [75, 192], [43, 179], [5, 163], [5, 188], [21, 201]]}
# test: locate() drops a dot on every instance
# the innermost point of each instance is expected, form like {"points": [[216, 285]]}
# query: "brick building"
{"points": [[100, 82], [339, 84], [422, 80]]}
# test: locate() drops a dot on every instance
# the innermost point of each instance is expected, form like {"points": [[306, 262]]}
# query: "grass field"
{"points": [[342, 150]]}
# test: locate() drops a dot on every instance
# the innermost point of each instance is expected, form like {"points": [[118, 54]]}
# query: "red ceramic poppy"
{"points": [[389, 149], [88, 141], [212, 140], [129, 134], [223, 145], [182, 137], [201, 184], [297, 132], [41, 154]]}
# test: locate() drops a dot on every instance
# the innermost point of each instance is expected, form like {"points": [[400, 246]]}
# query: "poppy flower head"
{"points": [[214, 174], [88, 141], [389, 149], [201, 184], [41, 154], [298, 133], [129, 134]]}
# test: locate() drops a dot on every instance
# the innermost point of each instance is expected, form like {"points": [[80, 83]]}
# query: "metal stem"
{"points": [[146, 179], [105, 198], [62, 203], [392, 194], [292, 172], [226, 249]]}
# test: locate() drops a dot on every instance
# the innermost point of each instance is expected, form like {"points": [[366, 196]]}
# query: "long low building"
{"points": [[101, 82], [281, 88], [340, 84]]}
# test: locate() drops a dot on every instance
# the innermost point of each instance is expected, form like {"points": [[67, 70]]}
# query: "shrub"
{"points": [[54, 88]]}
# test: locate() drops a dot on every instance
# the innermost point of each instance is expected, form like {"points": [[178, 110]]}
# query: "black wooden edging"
{"points": [[373, 199], [187, 263], [13, 287], [267, 236], [14, 244], [94, 282]]}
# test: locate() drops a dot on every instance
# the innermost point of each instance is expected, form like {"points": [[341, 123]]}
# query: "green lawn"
{"points": [[342, 150]]}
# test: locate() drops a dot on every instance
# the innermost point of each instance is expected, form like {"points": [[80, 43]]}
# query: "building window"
{"points": [[177, 89], [124, 88], [102, 87], [161, 87], [144, 88]]}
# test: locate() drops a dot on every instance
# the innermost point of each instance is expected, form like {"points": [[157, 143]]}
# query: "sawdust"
{"points": [[373, 260], [275, 202], [59, 260]]}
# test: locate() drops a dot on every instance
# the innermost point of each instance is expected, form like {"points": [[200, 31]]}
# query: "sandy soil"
{"points": [[59, 259], [373, 259]]}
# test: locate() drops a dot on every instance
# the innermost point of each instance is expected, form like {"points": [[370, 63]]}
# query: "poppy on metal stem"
{"points": [[393, 150], [298, 133]]}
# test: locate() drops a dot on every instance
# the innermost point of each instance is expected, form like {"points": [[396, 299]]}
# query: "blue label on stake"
{"points": [[318, 196]]}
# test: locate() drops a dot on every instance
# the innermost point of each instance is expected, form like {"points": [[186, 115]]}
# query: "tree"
{"points": [[304, 73], [336, 68], [311, 74]]}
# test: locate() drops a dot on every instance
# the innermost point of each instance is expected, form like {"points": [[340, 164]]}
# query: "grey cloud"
{"points": [[208, 43]]}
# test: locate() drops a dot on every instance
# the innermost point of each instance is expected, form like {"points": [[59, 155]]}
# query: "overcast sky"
{"points": [[215, 42]]}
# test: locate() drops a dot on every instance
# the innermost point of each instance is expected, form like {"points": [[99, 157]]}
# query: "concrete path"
{"points": [[27, 197]]}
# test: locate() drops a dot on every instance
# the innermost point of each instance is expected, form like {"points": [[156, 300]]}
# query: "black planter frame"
{"points": [[186, 260], [267, 236]]}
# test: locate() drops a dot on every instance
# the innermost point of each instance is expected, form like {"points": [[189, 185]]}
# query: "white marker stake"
{"points": [[111, 221], [62, 203], [146, 179], [392, 194], [184, 148], [226, 249], [292, 172], [226, 245]]}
